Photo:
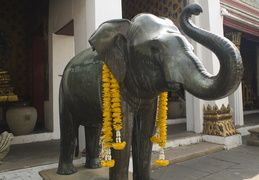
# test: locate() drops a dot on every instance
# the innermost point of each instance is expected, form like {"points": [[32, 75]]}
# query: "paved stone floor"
{"points": [[47, 152], [238, 163], [241, 163]]}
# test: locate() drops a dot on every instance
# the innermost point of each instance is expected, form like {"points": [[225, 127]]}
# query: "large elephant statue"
{"points": [[147, 55]]}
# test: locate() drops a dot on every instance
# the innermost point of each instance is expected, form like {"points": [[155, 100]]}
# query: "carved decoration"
{"points": [[166, 8], [6, 90], [235, 37], [218, 122], [5, 141]]}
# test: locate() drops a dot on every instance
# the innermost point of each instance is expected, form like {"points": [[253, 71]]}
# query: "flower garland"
{"points": [[111, 117], [161, 131], [112, 120]]}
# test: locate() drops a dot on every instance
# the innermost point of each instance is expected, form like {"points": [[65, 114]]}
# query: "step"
{"points": [[187, 152]]}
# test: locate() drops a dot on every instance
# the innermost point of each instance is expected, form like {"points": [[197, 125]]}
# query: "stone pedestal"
{"points": [[229, 142], [254, 137], [81, 174]]}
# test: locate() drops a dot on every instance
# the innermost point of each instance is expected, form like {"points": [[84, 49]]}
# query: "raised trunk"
{"points": [[201, 83]]}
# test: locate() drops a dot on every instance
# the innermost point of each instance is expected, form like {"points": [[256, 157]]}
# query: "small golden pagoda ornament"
{"points": [[218, 122], [6, 90]]}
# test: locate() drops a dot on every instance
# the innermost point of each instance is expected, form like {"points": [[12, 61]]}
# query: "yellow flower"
{"points": [[107, 145], [106, 79], [162, 144], [106, 85], [115, 115], [119, 146], [115, 86], [161, 162], [116, 99], [117, 120], [155, 139], [117, 127], [116, 104], [110, 163], [107, 123], [117, 110]]}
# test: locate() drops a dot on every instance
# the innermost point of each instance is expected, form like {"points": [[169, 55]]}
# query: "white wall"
{"points": [[63, 51], [87, 16], [60, 13]]}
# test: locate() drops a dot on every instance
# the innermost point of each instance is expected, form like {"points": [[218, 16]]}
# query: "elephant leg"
{"points": [[68, 134], [121, 157], [144, 126], [92, 140]]}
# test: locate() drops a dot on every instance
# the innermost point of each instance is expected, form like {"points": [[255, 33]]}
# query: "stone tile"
{"points": [[247, 150], [222, 175], [178, 172], [207, 164], [31, 154], [246, 170], [236, 156]]}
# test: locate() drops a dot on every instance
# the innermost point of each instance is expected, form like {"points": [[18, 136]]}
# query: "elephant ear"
{"points": [[110, 42]]}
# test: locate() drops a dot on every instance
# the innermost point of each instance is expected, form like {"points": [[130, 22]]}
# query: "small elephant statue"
{"points": [[147, 55]]}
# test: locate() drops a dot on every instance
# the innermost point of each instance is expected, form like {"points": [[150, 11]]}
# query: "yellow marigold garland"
{"points": [[112, 119], [161, 131], [111, 116]]}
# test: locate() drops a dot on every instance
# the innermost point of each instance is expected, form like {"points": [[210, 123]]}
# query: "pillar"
{"points": [[236, 99]]}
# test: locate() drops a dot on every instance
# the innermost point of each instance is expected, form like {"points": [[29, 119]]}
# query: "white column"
{"points": [[64, 44], [99, 11], [194, 113], [236, 103], [59, 16], [88, 15], [210, 20]]}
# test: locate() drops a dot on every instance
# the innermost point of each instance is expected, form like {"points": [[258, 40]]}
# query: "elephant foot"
{"points": [[92, 163], [66, 169]]}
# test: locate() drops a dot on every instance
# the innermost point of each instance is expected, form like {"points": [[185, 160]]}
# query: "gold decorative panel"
{"points": [[166, 8], [15, 55], [20, 22]]}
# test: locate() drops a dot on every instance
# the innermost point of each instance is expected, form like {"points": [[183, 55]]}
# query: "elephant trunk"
{"points": [[200, 83]]}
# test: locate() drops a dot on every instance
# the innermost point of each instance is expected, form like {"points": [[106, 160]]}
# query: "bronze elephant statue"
{"points": [[147, 55]]}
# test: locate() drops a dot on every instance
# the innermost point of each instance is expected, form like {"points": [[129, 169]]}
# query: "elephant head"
{"points": [[149, 55]]}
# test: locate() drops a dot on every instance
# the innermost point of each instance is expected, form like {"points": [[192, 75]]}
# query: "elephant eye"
{"points": [[154, 49]]}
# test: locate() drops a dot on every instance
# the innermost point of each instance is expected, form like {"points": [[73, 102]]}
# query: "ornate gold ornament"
{"points": [[235, 37], [6, 91], [217, 121]]}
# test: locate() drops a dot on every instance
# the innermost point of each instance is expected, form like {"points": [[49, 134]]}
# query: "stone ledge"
{"points": [[254, 130], [254, 137], [187, 152], [228, 141]]}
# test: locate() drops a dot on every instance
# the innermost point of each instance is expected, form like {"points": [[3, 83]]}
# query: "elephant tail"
{"points": [[77, 145]]}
